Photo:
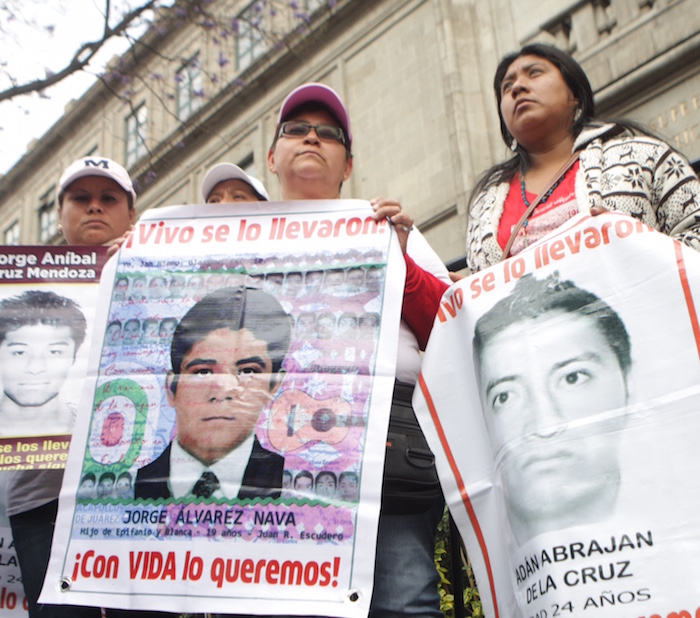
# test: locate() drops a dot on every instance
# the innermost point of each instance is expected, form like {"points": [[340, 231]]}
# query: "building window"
{"points": [[136, 131], [189, 88], [250, 41], [248, 165], [12, 234], [48, 216]]}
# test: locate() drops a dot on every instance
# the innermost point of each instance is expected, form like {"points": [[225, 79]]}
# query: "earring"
{"points": [[577, 114], [514, 145]]}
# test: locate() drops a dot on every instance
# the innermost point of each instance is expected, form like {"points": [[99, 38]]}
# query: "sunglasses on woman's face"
{"points": [[299, 128]]}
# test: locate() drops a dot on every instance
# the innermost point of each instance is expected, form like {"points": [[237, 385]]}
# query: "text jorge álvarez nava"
{"points": [[50, 266], [186, 522], [205, 522]]}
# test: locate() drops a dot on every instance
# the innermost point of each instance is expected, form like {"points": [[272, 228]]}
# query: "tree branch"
{"points": [[83, 56]]}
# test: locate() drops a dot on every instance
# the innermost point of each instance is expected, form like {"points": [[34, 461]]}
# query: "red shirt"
{"points": [[559, 207]]}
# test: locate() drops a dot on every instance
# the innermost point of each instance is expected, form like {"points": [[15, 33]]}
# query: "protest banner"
{"points": [[565, 427], [230, 444], [47, 301]]}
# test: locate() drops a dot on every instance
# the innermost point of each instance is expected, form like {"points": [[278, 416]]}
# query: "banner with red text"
{"points": [[236, 415], [47, 304], [567, 447]]}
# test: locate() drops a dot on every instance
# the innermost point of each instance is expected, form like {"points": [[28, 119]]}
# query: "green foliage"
{"points": [[443, 563]]}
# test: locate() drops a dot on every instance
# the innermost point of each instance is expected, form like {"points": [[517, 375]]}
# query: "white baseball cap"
{"points": [[97, 166], [229, 171], [317, 93]]}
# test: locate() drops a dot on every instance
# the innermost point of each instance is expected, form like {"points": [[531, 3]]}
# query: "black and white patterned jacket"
{"points": [[638, 175]]}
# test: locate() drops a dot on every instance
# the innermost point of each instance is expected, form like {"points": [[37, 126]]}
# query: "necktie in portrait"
{"points": [[206, 485]]}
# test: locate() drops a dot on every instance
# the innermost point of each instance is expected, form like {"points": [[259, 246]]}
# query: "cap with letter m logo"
{"points": [[97, 166], [103, 163]]}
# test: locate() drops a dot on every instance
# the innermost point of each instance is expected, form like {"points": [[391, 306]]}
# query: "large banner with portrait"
{"points": [[232, 433], [565, 427], [48, 297]]}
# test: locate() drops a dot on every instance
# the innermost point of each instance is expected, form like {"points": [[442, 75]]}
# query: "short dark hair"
{"points": [[125, 475], [304, 474], [326, 314], [165, 321], [369, 318], [348, 474], [234, 308], [531, 298], [88, 477], [37, 307], [348, 315], [148, 321], [108, 476], [307, 314], [327, 473]]}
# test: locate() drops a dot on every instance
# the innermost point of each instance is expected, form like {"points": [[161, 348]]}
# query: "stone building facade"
{"points": [[416, 76]]}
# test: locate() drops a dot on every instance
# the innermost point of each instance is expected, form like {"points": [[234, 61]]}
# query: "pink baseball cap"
{"points": [[229, 171], [97, 166], [321, 94]]}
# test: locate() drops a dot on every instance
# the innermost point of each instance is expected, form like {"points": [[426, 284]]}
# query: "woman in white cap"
{"points": [[96, 202], [96, 206], [227, 183]]}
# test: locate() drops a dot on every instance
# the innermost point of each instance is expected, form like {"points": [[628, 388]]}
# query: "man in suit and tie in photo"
{"points": [[227, 354]]}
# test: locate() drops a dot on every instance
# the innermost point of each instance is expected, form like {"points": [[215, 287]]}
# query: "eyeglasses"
{"points": [[298, 128]]}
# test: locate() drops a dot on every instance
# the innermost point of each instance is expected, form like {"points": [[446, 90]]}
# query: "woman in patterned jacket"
{"points": [[546, 108]]}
